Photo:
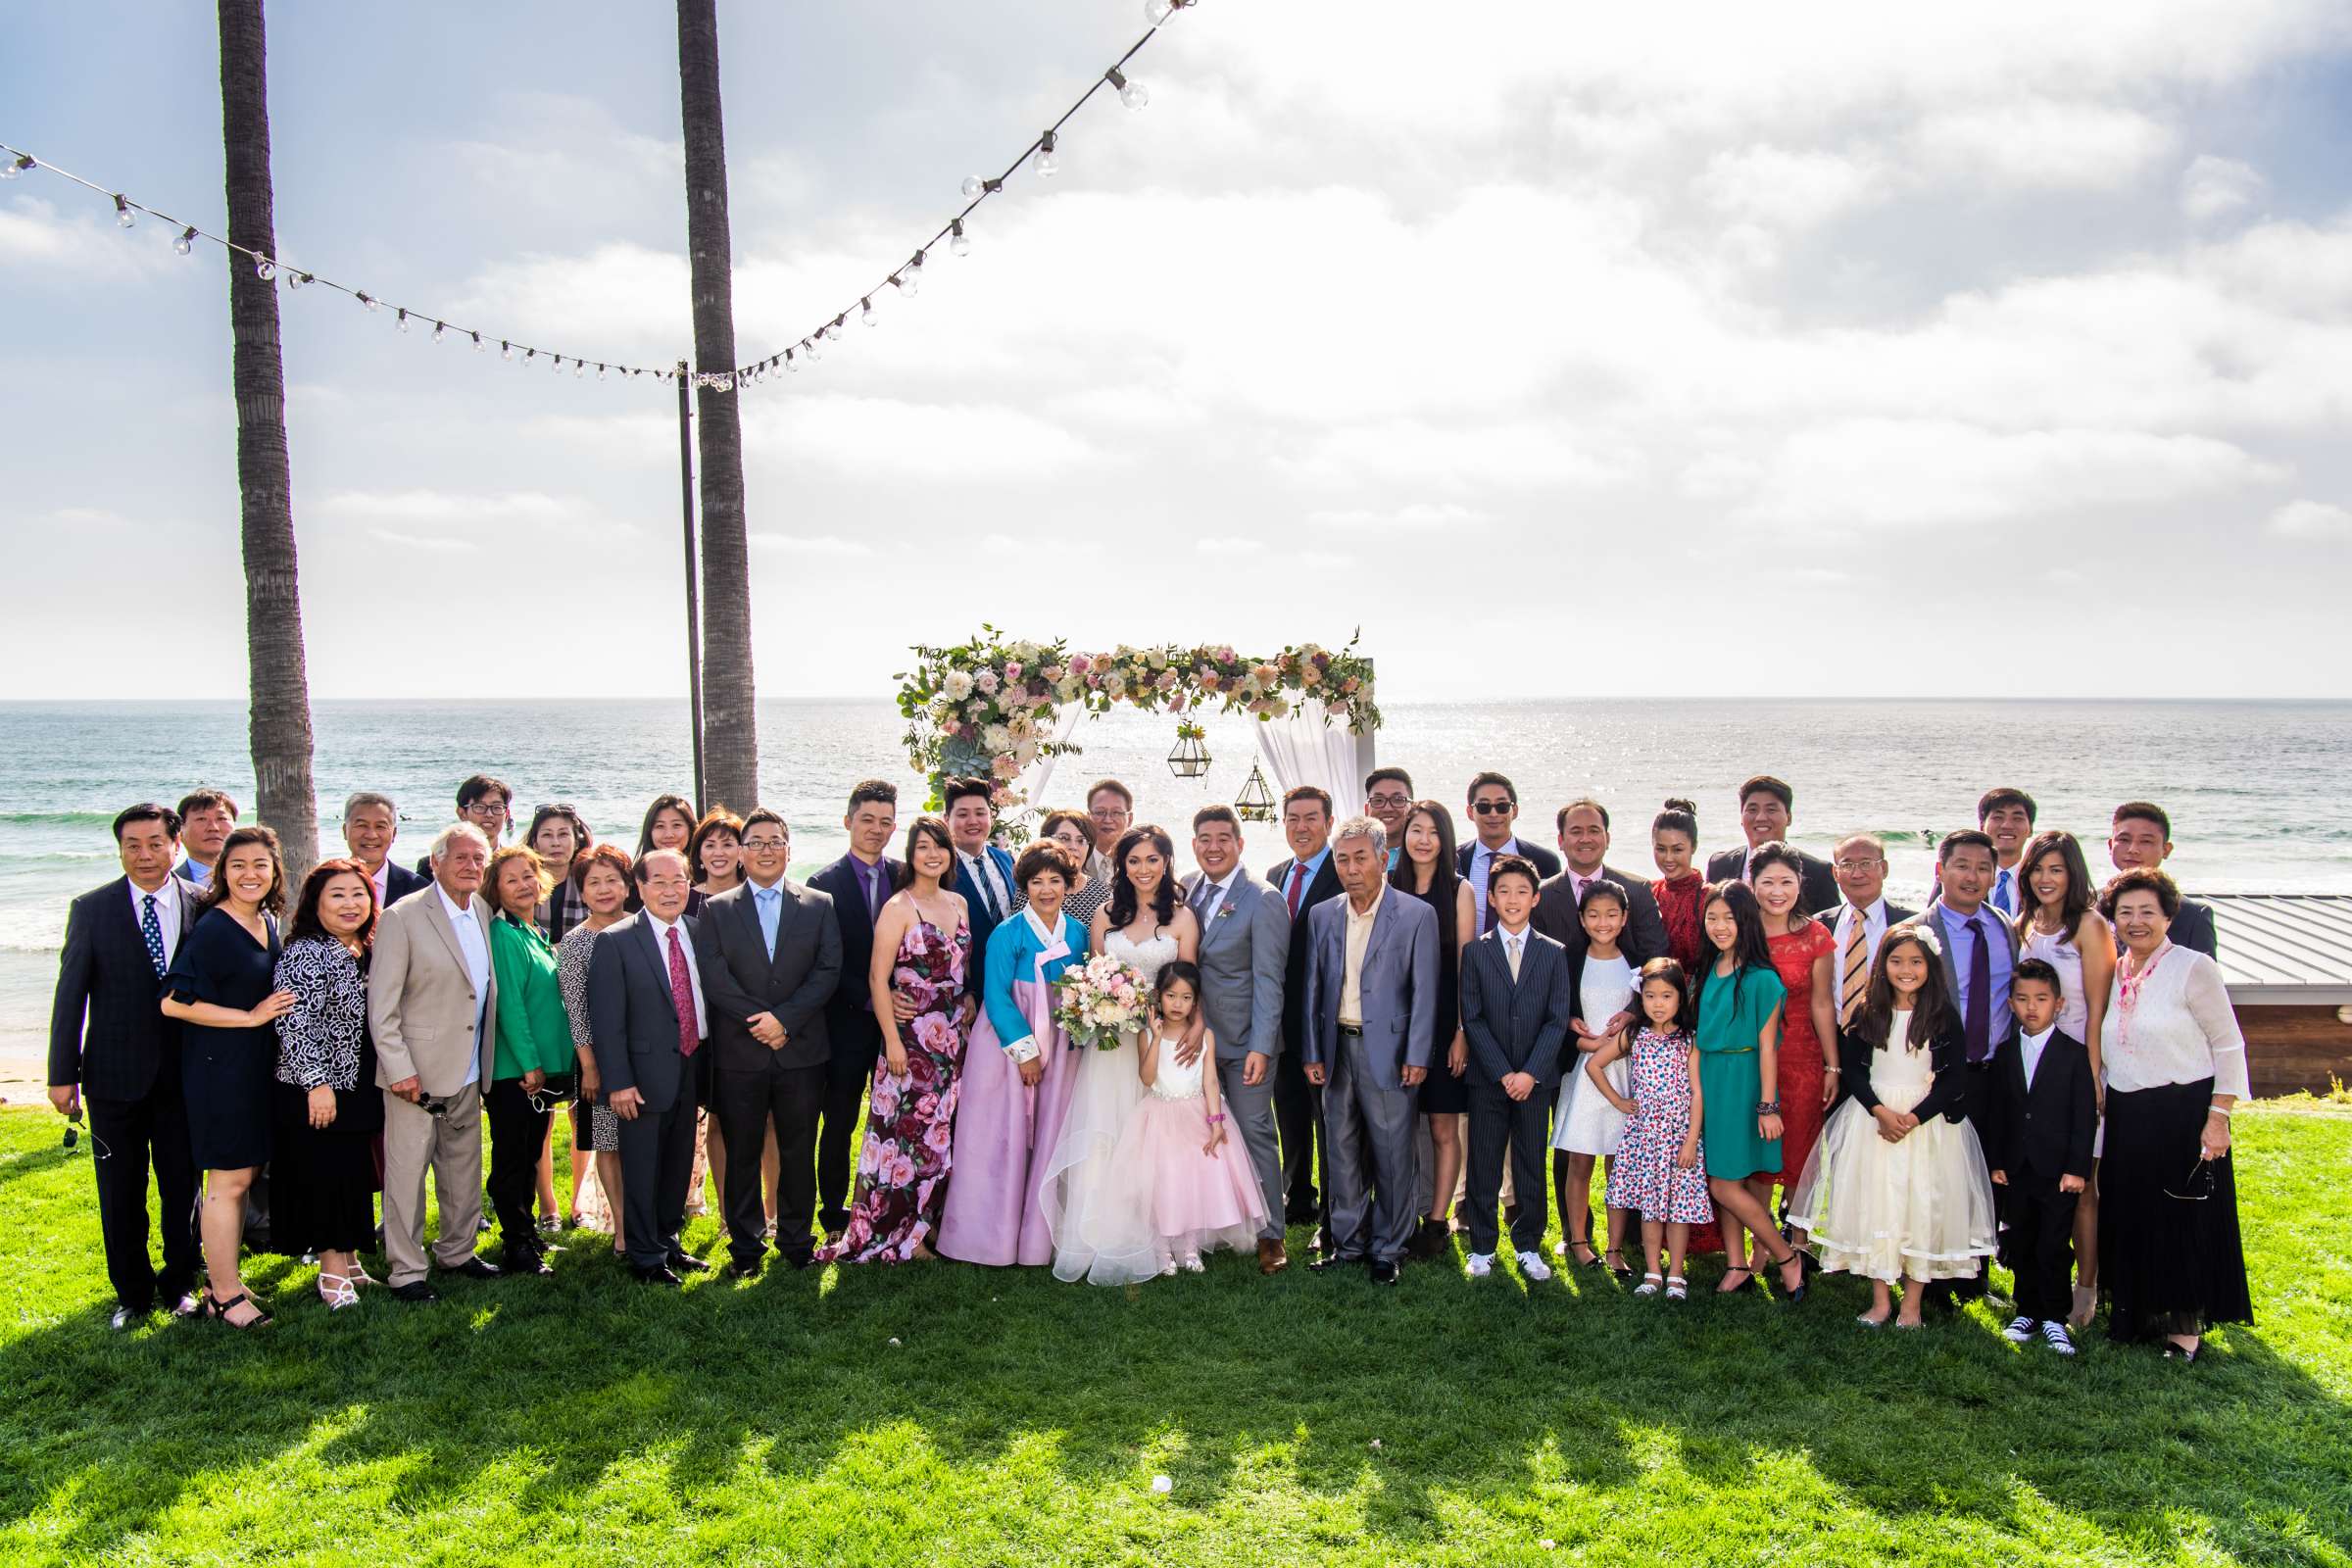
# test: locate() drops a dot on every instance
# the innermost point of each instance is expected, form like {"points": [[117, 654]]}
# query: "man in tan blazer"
{"points": [[430, 1005]]}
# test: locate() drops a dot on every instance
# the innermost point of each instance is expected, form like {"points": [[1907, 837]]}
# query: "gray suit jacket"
{"points": [[423, 1010], [1398, 987], [1997, 928], [632, 1023], [1244, 950], [740, 979], [1515, 1025]]}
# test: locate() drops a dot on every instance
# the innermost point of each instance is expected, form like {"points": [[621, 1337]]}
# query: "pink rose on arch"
{"points": [[1080, 664], [1225, 654], [987, 680], [1208, 682], [1012, 670]]}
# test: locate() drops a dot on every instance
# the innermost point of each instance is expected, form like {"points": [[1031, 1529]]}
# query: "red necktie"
{"points": [[1297, 885], [682, 997]]}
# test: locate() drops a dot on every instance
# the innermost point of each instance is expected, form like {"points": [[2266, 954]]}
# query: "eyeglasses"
{"points": [[1111, 815], [1858, 865], [765, 843], [1393, 800], [542, 1101], [1494, 807], [2198, 1186]]}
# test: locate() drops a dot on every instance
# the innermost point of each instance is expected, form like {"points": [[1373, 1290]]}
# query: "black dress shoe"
{"points": [[1383, 1271], [475, 1268], [656, 1276], [799, 1259], [687, 1263], [525, 1261], [416, 1292], [746, 1269]]}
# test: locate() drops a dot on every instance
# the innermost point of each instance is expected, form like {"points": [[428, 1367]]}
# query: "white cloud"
{"points": [[869, 436], [78, 239], [2044, 144], [1890, 473], [2311, 520], [829, 547], [439, 544], [2214, 187], [441, 505], [1784, 189], [1227, 545], [1417, 515]]}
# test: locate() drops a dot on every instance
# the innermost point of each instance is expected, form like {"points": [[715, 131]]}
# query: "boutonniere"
{"points": [[1225, 910]]}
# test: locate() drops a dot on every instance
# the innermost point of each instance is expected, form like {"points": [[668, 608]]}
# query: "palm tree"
{"points": [[280, 711], [731, 746]]}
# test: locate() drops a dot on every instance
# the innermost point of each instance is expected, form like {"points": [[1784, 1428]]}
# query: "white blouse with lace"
{"points": [[2174, 1026]]}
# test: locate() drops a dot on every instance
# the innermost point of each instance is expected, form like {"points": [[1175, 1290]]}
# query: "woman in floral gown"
{"points": [[921, 945]]}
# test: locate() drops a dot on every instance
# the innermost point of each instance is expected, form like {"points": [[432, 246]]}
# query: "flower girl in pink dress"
{"points": [[1183, 1177]]}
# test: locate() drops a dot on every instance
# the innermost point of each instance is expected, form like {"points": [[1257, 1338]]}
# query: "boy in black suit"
{"points": [[2045, 1112]]}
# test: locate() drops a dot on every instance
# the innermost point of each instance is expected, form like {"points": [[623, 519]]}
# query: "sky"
{"points": [[1713, 349]]}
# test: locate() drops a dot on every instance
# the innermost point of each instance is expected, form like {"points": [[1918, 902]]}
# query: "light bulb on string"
{"points": [[792, 366], [440, 331], [1134, 94], [402, 320], [264, 268], [578, 369], [295, 278], [865, 311], [17, 166], [974, 186], [123, 213], [506, 350], [1156, 11], [841, 325], [959, 243], [600, 373], [365, 299], [528, 355], [1046, 162], [477, 343], [187, 241], [810, 347]]}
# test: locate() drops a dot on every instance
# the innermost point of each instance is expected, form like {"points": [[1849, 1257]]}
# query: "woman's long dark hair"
{"points": [[666, 803], [1442, 878], [305, 908], [216, 887], [1123, 900], [1934, 1012], [2079, 890], [933, 826], [1750, 949]]}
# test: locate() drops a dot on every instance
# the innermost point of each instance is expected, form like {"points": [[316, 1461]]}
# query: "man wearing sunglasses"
{"points": [[1493, 809]]}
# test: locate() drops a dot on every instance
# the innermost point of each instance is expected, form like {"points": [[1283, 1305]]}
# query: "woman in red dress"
{"points": [[1673, 842], [1804, 953]]}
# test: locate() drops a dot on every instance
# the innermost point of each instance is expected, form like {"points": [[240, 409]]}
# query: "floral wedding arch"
{"points": [[994, 707]]}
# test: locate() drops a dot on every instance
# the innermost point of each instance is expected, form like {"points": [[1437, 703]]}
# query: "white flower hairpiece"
{"points": [[1926, 934]]}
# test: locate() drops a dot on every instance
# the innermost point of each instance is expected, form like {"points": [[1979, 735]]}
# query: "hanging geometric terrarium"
{"points": [[1256, 802], [1190, 759]]}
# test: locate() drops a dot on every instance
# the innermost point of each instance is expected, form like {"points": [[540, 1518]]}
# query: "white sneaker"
{"points": [[2018, 1331], [1478, 1265], [1532, 1266], [2054, 1334]]}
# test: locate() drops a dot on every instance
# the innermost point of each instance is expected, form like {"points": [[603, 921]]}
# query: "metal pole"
{"points": [[694, 601]]}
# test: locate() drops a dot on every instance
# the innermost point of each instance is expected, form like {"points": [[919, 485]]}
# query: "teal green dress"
{"points": [[1731, 1078]]}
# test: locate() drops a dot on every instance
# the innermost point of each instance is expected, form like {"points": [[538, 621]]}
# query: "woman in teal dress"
{"points": [[1738, 1074]]}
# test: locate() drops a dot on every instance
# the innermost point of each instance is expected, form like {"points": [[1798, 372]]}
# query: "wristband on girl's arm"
{"points": [[1217, 1118]]}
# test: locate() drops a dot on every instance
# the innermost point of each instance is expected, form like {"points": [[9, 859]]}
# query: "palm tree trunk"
{"points": [[280, 712], [731, 746]]}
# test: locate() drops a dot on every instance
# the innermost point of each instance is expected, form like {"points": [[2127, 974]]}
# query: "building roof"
{"points": [[2285, 948]]}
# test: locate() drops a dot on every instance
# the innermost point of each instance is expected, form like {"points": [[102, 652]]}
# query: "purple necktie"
{"points": [[682, 997], [871, 875], [1979, 992]]}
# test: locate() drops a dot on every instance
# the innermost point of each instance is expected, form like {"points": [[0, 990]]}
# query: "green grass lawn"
{"points": [[949, 1414]]}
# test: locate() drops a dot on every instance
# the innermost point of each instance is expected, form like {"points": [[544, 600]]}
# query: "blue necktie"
{"points": [[769, 903], [153, 930], [2002, 898]]}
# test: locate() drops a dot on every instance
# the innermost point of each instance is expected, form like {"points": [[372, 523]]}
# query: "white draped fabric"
{"points": [[1033, 779], [1302, 748]]}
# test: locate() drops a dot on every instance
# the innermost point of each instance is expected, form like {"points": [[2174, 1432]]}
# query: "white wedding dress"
{"points": [[1091, 1239]]}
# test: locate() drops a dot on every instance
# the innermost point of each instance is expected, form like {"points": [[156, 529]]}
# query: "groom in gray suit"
{"points": [[1371, 1015], [1245, 944]]}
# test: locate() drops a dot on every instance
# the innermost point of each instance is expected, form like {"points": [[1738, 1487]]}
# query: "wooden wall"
{"points": [[2295, 1047]]}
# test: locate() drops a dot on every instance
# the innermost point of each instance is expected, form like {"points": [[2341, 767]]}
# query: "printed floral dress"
{"points": [[904, 1158], [1645, 1176]]}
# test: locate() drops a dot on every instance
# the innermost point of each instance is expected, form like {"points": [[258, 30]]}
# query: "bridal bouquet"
{"points": [[1100, 1000]]}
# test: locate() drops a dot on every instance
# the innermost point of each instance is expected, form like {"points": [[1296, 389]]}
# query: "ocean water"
{"points": [[2255, 789]]}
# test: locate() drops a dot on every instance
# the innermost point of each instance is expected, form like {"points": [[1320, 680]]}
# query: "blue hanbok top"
{"points": [[1013, 950]]}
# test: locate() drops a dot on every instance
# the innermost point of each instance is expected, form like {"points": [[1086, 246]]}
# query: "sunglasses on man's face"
{"points": [[1490, 808], [433, 1104]]}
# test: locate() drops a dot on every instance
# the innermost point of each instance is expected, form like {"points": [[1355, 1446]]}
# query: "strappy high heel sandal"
{"points": [[339, 1291], [206, 1306], [359, 1276], [1792, 1294]]}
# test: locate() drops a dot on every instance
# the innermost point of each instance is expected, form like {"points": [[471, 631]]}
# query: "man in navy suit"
{"points": [[207, 817], [648, 1021], [114, 1056], [371, 822], [1493, 811], [1307, 878], [860, 882], [2140, 838], [983, 871], [1584, 827], [1515, 1010], [1767, 808]]}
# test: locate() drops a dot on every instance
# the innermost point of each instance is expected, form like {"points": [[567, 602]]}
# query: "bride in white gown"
{"points": [[1146, 926]]}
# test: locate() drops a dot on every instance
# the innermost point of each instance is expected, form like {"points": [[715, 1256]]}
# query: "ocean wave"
{"points": [[58, 819]]}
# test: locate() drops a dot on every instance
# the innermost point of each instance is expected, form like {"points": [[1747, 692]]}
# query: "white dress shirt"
{"points": [[474, 943], [694, 974], [166, 912], [1874, 926], [1217, 892], [2029, 1048]]}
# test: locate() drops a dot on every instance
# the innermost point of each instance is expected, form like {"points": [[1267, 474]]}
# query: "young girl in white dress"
{"points": [[1183, 1184], [1588, 1126], [1896, 1189]]}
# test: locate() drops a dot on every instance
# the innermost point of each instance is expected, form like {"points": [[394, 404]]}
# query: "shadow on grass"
{"points": [[1401, 1407]]}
